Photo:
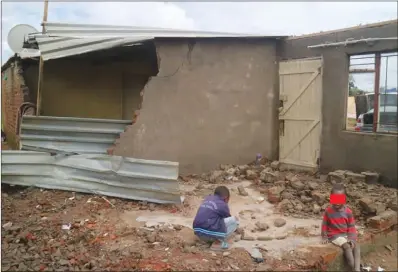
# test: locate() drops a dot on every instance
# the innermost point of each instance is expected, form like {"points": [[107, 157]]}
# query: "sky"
{"points": [[267, 18]]}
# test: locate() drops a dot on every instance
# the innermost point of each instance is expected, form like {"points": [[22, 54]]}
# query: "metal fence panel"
{"points": [[154, 181], [70, 135]]}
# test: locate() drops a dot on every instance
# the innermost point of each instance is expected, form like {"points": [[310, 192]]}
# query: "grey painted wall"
{"points": [[342, 149], [213, 102]]}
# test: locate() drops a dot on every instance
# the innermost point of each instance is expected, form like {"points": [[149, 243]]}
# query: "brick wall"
{"points": [[14, 93]]}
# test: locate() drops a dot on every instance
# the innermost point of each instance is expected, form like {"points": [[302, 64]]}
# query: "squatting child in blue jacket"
{"points": [[213, 221]]}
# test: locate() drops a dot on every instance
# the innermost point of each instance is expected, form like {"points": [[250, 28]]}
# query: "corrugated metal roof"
{"points": [[60, 47], [69, 134], [154, 181], [85, 30], [63, 40]]}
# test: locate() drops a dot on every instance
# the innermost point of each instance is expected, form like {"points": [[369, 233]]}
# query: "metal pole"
{"points": [[41, 63], [376, 95]]}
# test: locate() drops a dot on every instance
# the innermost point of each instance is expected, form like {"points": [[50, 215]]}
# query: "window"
{"points": [[373, 81]]}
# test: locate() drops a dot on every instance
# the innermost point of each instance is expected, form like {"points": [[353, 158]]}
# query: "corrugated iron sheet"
{"points": [[70, 135], [153, 181], [60, 47], [63, 40], [87, 30]]}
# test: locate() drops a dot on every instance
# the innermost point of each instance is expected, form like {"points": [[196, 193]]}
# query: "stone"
{"points": [[279, 222], [286, 195], [380, 207], [284, 205], [280, 183], [305, 199], [275, 165], [264, 267], [371, 177], [336, 177], [268, 177], [264, 238], [313, 185], [226, 253], [393, 205], [243, 168], [247, 237], [383, 221], [316, 208], [367, 205], [216, 176], [281, 237], [323, 178], [240, 230], [251, 175], [238, 238], [261, 226], [242, 191], [274, 194], [290, 176], [354, 177], [318, 197], [7, 225], [296, 184], [298, 207]]}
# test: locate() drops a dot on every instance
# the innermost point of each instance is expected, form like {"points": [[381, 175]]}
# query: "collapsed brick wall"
{"points": [[14, 94]]}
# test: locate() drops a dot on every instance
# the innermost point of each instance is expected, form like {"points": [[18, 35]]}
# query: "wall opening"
{"points": [[372, 93], [105, 84]]}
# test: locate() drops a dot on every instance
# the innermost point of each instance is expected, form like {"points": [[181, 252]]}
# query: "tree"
{"points": [[353, 90]]}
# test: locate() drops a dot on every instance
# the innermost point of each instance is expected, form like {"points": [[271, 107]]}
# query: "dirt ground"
{"points": [[386, 258], [47, 230]]}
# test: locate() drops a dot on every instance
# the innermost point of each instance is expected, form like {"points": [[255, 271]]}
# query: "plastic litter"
{"points": [[66, 226], [380, 268], [366, 268]]}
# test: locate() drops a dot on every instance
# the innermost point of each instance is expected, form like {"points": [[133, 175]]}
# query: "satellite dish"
{"points": [[17, 35]]}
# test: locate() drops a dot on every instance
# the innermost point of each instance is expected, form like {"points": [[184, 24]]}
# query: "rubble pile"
{"points": [[301, 194]]}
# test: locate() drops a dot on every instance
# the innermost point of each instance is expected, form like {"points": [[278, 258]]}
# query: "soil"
{"points": [[47, 230], [386, 258]]}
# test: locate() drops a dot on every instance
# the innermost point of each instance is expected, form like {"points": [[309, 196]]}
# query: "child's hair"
{"points": [[222, 191], [338, 187]]}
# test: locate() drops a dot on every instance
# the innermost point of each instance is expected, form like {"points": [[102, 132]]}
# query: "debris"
{"points": [[275, 165], [251, 175], [256, 255], [110, 203], [380, 268], [242, 191], [389, 248], [371, 177], [7, 225], [226, 253], [260, 200], [66, 226]]}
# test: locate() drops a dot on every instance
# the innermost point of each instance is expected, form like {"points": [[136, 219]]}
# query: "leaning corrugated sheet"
{"points": [[62, 40], [153, 181], [70, 135]]}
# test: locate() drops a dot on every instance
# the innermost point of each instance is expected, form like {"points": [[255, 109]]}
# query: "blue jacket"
{"points": [[209, 220]]}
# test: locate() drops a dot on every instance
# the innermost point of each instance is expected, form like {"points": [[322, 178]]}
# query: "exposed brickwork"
{"points": [[383, 221], [14, 93]]}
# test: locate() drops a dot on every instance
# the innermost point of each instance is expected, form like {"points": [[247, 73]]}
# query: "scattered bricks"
{"points": [[251, 175], [354, 177], [383, 221], [313, 185], [284, 205], [367, 205], [216, 176], [318, 197], [323, 178], [371, 177], [247, 237], [336, 177], [268, 177], [275, 165], [393, 205], [274, 194], [296, 184]]}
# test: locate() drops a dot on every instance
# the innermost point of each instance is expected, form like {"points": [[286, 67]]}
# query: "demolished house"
{"points": [[197, 98]]}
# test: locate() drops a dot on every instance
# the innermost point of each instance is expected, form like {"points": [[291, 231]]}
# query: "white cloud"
{"points": [[260, 17]]}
